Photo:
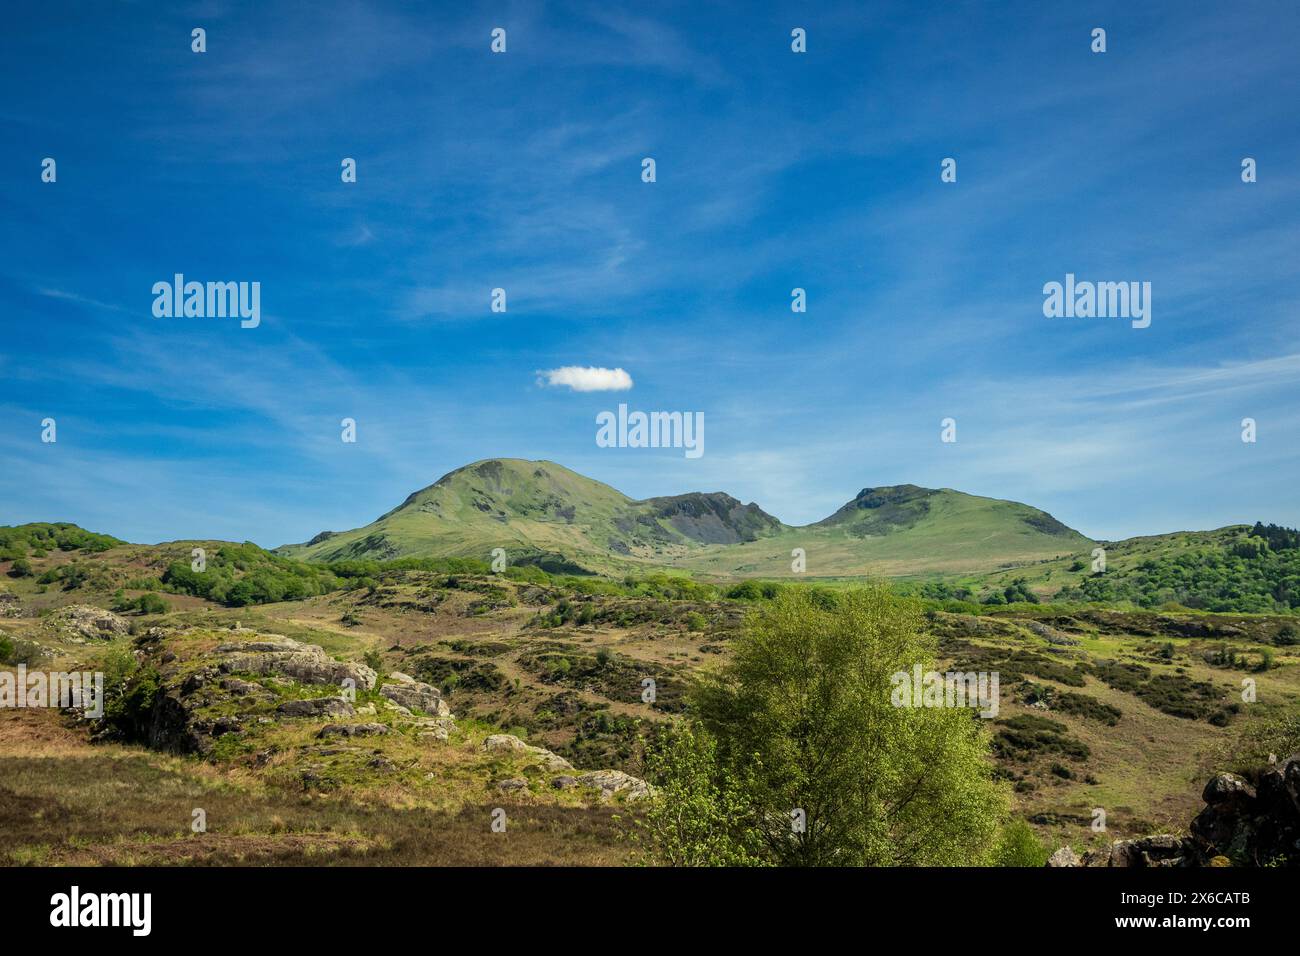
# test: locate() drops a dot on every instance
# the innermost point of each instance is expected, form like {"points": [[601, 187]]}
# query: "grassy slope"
{"points": [[517, 505], [1046, 577]]}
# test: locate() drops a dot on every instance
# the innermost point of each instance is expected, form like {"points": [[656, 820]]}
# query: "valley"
{"points": [[524, 689]]}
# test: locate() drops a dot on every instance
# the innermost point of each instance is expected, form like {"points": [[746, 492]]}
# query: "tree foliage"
{"points": [[1258, 573], [802, 730]]}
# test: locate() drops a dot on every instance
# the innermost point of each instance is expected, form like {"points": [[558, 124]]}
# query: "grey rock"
{"points": [[510, 744], [1064, 857], [615, 782], [317, 707], [417, 696]]}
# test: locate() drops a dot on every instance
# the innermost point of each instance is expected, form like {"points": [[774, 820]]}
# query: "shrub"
{"points": [[1020, 846], [150, 603], [15, 652]]}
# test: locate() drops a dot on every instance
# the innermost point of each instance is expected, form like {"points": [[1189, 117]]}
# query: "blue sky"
{"points": [[522, 171]]}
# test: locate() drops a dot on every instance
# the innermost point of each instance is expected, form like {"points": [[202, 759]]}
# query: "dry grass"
{"points": [[64, 801]]}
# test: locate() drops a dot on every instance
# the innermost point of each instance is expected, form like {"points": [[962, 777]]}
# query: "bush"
{"points": [[150, 603], [15, 652], [22, 568], [1020, 846]]}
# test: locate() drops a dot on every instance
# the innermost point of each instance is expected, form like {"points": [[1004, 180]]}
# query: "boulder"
{"points": [[510, 744], [416, 695], [1227, 787], [437, 728], [317, 707], [242, 688], [1256, 825], [613, 782], [1064, 857]]}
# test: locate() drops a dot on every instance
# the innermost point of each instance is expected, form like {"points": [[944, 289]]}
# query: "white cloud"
{"points": [[587, 379]]}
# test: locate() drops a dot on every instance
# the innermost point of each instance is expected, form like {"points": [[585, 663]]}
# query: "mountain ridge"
{"points": [[543, 508]]}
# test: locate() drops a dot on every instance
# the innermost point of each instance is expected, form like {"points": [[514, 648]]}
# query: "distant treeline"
{"points": [[1278, 537], [1258, 573], [38, 539]]}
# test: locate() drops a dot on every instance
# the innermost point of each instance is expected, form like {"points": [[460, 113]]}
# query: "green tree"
{"points": [[803, 716]]}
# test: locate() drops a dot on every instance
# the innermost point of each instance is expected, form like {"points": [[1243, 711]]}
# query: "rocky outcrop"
{"points": [[435, 728], [1243, 824], [607, 783], [406, 691], [9, 604], [79, 623], [269, 654], [1253, 825], [1163, 849], [510, 744]]}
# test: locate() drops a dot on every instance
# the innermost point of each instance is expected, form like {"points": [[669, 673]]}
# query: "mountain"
{"points": [[905, 530], [542, 512], [536, 509]]}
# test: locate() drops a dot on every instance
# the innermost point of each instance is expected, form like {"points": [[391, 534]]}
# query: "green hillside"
{"points": [[1239, 568], [903, 531], [541, 512]]}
